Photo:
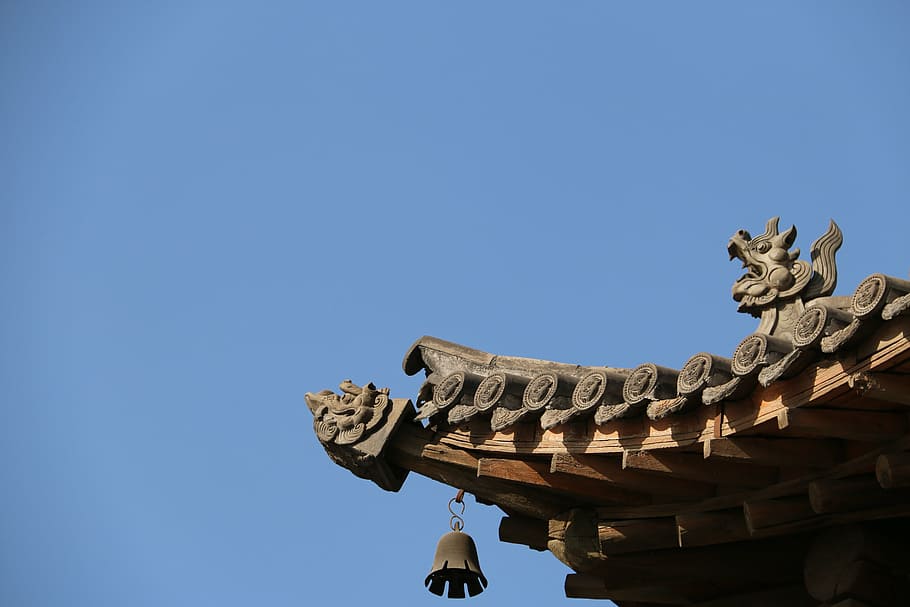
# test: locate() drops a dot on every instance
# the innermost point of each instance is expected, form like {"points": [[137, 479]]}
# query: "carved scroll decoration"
{"points": [[449, 390], [870, 303], [540, 391], [355, 426], [347, 418], [701, 372], [490, 391], [641, 384], [589, 391]]}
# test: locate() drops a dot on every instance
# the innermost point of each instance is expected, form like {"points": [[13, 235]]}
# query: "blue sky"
{"points": [[210, 208]]}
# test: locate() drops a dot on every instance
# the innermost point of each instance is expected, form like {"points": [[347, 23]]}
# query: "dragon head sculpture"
{"points": [[775, 275], [346, 418], [773, 271]]}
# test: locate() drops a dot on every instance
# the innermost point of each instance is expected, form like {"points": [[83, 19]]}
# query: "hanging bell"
{"points": [[456, 563], [456, 559]]}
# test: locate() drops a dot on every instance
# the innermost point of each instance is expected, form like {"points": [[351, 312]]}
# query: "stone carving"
{"points": [[660, 409], [640, 383], [454, 392], [649, 382], [869, 296], [748, 354], [694, 374], [503, 417], [788, 365], [539, 391], [835, 341], [347, 418], [877, 292], [756, 351], [870, 303], [507, 406], [449, 390], [736, 387], [810, 326], [589, 391], [821, 318], [559, 408], [355, 426], [609, 412], [458, 414], [777, 282], [701, 372], [490, 391], [900, 305]]}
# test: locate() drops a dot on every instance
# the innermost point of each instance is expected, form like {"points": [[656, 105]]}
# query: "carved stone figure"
{"points": [[346, 418], [355, 426], [777, 283]]}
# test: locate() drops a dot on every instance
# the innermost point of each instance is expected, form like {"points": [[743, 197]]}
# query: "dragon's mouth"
{"points": [[752, 272]]}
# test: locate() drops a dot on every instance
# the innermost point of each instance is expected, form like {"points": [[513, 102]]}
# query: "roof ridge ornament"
{"points": [[778, 284], [355, 426]]}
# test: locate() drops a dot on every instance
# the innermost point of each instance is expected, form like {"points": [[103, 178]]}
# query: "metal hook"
{"points": [[456, 522]]}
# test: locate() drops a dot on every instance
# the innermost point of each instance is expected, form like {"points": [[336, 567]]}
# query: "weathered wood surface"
{"points": [[636, 535], [792, 595], [609, 469], [707, 528], [414, 448], [537, 474], [859, 465], [871, 426], [853, 493], [762, 514], [580, 586], [691, 466], [893, 470], [866, 562], [770, 562], [524, 530], [811, 453], [886, 387]]}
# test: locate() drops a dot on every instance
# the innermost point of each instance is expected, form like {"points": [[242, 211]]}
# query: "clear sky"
{"points": [[210, 208]]}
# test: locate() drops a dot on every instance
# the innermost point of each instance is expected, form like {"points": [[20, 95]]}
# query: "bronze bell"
{"points": [[456, 563]]}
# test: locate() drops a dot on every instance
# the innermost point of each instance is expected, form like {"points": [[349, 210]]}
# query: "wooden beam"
{"points": [[609, 469], [792, 595], [872, 584], [620, 537], [853, 493], [877, 426], [768, 562], [530, 532], [814, 453], [761, 514], [537, 474], [693, 467], [862, 464], [885, 387], [893, 470], [581, 586], [707, 528], [851, 602], [833, 554], [413, 449]]}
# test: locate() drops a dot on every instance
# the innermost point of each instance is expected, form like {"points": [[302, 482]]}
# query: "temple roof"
{"points": [[803, 427]]}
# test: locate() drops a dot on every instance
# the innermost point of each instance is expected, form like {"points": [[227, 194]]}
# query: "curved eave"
{"points": [[826, 384]]}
